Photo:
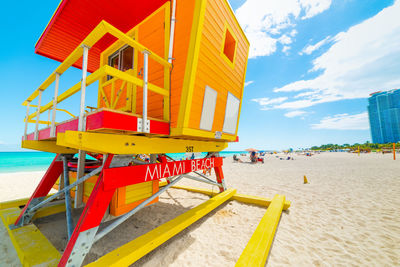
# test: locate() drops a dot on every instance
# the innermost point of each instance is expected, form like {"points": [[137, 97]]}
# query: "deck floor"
{"points": [[106, 121]]}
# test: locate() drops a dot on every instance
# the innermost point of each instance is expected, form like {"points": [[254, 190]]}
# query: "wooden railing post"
{"points": [[81, 127], [36, 134], [26, 120], [83, 88], [53, 119], [145, 128]]}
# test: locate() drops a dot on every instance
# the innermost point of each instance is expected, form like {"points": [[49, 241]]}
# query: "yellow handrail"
{"points": [[101, 72], [58, 109], [101, 29]]}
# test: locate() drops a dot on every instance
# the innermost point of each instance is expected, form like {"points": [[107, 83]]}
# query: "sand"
{"points": [[347, 215]]}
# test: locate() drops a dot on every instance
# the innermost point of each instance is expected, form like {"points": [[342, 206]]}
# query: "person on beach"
{"points": [[254, 158], [236, 159]]}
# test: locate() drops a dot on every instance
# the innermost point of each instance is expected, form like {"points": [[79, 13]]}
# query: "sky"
{"points": [[312, 66]]}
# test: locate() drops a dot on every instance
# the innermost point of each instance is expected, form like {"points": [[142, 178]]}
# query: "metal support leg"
{"points": [[41, 191], [80, 173], [220, 178], [67, 198], [85, 230], [60, 192]]}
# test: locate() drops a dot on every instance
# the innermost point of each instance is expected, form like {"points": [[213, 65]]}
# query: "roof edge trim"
{"points": [[50, 23]]}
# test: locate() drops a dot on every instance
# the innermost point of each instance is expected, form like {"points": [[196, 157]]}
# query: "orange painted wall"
{"points": [[183, 27], [212, 69], [151, 34]]}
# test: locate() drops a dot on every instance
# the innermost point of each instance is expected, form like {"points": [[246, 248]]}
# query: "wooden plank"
{"points": [[13, 203], [260, 201], [43, 212], [134, 250], [47, 146], [131, 144], [256, 251], [125, 176], [31, 245]]}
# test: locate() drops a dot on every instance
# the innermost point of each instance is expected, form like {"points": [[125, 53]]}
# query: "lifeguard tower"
{"points": [[170, 79]]}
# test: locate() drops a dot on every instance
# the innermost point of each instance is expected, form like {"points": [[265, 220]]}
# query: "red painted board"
{"points": [[111, 120], [124, 176], [71, 125], [159, 127], [47, 182], [105, 120], [44, 134]]}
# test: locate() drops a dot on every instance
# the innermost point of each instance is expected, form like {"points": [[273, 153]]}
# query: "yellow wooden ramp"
{"points": [[31, 245], [256, 252], [260, 201]]}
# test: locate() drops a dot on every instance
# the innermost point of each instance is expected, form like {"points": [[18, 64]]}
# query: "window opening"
{"points": [[229, 45], [231, 114], [207, 113], [122, 59]]}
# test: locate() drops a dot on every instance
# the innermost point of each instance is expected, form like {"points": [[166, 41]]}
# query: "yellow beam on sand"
{"points": [[47, 146], [31, 245], [134, 250], [132, 144], [260, 201], [13, 203], [43, 212], [256, 251]]}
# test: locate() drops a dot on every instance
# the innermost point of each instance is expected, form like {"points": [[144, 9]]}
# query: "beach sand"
{"points": [[348, 214]]}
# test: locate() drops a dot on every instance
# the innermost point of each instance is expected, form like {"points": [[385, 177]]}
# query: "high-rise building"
{"points": [[384, 116]]}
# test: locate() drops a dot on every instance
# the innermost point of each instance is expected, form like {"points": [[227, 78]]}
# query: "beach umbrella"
{"points": [[251, 150]]}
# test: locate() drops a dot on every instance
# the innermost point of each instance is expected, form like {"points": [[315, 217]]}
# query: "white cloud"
{"points": [[267, 103], [248, 83], [284, 39], [363, 59], [264, 20], [344, 122], [309, 49], [314, 7], [286, 49], [293, 33], [295, 113]]}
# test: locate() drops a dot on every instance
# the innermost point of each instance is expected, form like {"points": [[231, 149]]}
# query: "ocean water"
{"points": [[40, 161]]}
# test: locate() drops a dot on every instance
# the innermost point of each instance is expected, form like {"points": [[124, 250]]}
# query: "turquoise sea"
{"points": [[40, 161]]}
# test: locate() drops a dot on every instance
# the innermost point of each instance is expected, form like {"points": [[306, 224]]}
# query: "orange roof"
{"points": [[75, 19]]}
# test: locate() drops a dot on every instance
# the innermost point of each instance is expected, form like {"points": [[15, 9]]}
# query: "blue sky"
{"points": [[312, 66]]}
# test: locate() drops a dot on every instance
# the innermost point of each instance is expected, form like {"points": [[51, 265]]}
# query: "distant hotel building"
{"points": [[384, 116]]}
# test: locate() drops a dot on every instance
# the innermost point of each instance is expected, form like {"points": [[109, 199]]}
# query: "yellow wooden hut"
{"points": [[196, 69]]}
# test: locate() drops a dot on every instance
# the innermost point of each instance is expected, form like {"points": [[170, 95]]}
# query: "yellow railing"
{"points": [[101, 29], [48, 122]]}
